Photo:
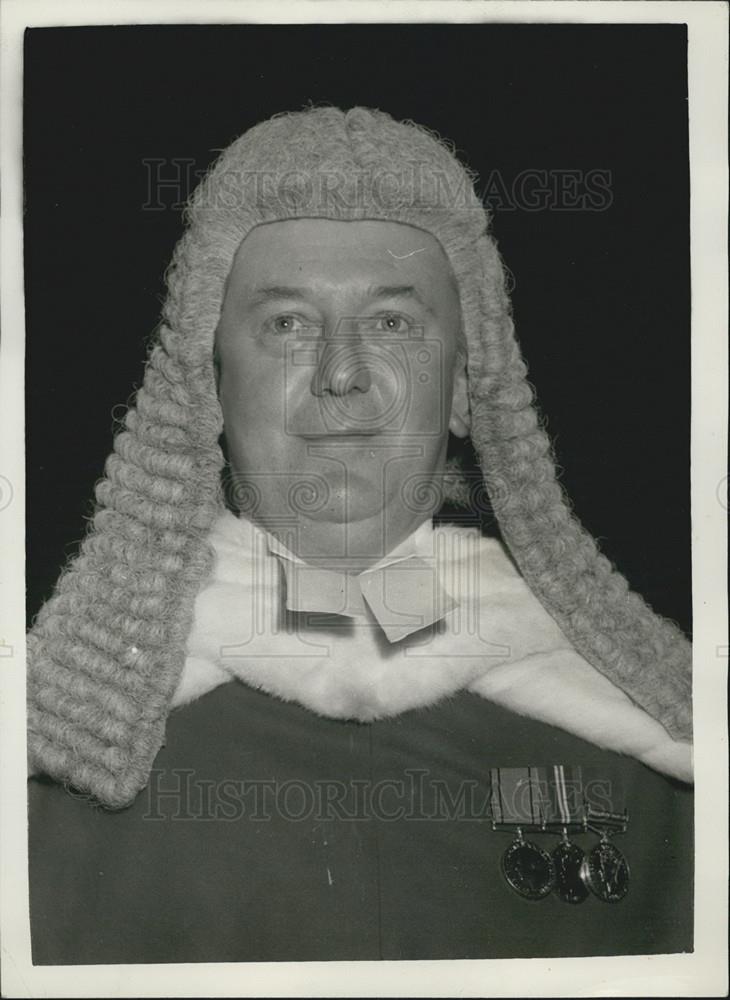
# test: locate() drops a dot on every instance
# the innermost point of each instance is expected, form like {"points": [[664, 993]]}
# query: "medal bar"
{"points": [[552, 800]]}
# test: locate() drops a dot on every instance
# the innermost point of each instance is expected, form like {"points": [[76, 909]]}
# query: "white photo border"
{"points": [[702, 973]]}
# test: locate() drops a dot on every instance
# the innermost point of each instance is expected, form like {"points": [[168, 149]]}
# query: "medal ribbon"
{"points": [[537, 796]]}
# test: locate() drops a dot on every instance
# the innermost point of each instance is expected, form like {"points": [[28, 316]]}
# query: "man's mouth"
{"points": [[344, 432]]}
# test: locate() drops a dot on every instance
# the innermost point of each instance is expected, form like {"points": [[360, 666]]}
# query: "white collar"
{"points": [[402, 590]]}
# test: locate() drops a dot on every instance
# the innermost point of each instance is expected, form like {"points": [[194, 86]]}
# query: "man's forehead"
{"points": [[362, 251]]}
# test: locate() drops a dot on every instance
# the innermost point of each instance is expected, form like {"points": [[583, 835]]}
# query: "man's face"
{"points": [[337, 347]]}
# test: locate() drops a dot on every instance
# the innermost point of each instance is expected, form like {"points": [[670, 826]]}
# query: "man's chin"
{"points": [[346, 507]]}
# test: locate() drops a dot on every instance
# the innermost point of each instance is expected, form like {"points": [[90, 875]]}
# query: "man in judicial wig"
{"points": [[301, 710]]}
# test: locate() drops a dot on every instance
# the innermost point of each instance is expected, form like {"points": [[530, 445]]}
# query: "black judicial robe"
{"points": [[348, 841]]}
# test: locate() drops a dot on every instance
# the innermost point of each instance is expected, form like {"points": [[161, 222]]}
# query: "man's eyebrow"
{"points": [[278, 292], [398, 292]]}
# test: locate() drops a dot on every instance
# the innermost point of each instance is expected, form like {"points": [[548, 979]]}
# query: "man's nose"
{"points": [[342, 368]]}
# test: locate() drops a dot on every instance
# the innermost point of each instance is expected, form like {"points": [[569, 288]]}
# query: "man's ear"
{"points": [[460, 420]]}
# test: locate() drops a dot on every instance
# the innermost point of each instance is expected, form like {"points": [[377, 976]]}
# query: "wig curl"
{"points": [[107, 649]]}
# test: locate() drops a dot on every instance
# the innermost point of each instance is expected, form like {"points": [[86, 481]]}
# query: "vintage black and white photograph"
{"points": [[359, 429]]}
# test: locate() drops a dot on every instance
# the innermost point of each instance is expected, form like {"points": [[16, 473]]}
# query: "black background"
{"points": [[601, 299]]}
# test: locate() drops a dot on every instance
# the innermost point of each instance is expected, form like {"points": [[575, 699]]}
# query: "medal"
{"points": [[606, 872], [550, 800], [568, 860], [528, 869]]}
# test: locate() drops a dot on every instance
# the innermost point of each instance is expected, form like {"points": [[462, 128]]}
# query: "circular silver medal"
{"points": [[528, 869], [568, 859], [606, 872]]}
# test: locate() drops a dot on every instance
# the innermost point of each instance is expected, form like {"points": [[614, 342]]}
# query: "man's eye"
{"points": [[392, 323], [285, 324]]}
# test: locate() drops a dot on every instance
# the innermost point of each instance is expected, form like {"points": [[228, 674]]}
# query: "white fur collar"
{"points": [[497, 641]]}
